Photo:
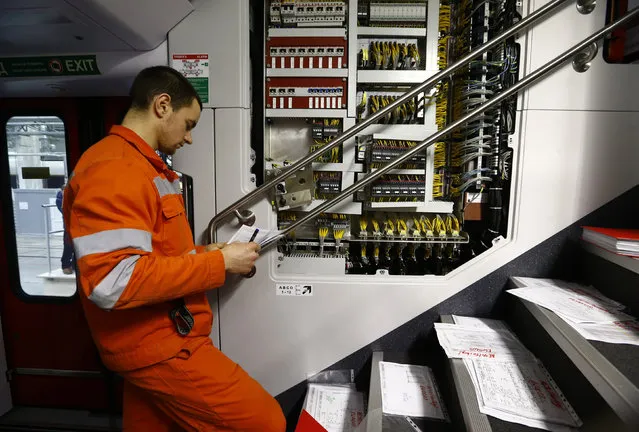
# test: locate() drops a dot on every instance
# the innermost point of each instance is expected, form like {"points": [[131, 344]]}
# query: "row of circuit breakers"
{"points": [[326, 70]]}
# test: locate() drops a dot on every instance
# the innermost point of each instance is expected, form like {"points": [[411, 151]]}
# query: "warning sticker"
{"points": [[299, 290], [195, 67]]}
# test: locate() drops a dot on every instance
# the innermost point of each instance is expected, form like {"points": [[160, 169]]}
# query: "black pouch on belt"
{"points": [[182, 318]]}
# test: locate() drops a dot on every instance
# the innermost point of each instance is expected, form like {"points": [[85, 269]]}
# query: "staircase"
{"points": [[600, 380]]}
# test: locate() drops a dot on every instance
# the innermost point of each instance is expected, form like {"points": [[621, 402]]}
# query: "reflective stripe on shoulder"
{"points": [[112, 240], [107, 293], [192, 252], [165, 187]]}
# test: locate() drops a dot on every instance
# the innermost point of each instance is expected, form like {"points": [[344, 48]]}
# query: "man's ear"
{"points": [[162, 105]]}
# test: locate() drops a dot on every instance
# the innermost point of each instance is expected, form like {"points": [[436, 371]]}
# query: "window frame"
{"points": [[9, 228]]}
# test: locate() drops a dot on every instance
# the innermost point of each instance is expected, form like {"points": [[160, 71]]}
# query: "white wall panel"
{"points": [[605, 87], [198, 161], [219, 28]]}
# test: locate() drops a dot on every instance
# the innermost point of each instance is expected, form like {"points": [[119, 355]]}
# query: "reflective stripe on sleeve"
{"points": [[112, 240], [176, 186], [165, 187], [107, 293], [192, 252]]}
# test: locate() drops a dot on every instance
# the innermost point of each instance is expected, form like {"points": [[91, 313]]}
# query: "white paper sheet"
{"points": [[410, 390], [245, 233], [505, 415], [575, 287], [523, 392], [620, 332], [481, 343], [336, 408], [577, 307], [485, 323]]}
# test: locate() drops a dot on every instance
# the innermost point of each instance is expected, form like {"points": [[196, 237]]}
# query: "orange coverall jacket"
{"points": [[135, 253]]}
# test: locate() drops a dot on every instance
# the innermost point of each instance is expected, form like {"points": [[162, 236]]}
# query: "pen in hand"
{"points": [[257, 230]]}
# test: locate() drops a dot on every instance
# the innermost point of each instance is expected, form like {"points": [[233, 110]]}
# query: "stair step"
{"points": [[616, 276], [378, 422], [474, 420], [611, 371]]}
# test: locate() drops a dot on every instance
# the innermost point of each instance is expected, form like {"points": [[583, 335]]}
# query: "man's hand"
{"points": [[240, 258], [214, 246]]}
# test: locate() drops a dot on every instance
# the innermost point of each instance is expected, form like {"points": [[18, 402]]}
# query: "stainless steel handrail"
{"points": [[236, 206], [523, 83]]}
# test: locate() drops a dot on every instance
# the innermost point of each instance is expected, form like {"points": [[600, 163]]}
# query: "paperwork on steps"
{"points": [[590, 313], [336, 408], [619, 332], [578, 307], [516, 388], [485, 323], [476, 342], [247, 234], [521, 393], [410, 390], [571, 286]]}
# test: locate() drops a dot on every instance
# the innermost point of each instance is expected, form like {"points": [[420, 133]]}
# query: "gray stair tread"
{"points": [[624, 357], [392, 423], [626, 262], [612, 369]]}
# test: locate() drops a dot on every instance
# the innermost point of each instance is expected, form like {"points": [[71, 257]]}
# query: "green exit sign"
{"points": [[48, 66]]}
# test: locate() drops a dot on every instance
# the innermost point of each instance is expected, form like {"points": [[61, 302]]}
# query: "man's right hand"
{"points": [[240, 258]]}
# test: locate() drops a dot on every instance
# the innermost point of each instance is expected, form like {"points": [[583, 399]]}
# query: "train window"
{"points": [[38, 170]]}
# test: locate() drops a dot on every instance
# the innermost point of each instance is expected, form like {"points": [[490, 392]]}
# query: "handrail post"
{"points": [[429, 83], [46, 231]]}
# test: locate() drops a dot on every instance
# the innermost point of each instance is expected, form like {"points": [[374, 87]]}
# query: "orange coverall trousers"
{"points": [[198, 390]]}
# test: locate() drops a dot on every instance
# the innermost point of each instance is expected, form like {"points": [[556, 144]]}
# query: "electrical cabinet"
{"points": [[329, 65]]}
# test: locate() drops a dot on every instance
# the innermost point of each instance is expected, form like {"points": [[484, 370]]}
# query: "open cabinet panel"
{"points": [[330, 65]]}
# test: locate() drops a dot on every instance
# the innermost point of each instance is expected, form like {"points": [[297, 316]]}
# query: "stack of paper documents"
{"points": [[585, 309], [410, 391], [615, 240], [338, 408], [510, 383], [247, 234]]}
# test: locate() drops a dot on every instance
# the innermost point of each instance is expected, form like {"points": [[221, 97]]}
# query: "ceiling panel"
{"points": [[34, 27]]}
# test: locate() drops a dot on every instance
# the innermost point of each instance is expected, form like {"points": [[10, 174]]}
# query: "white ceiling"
{"points": [[125, 35]]}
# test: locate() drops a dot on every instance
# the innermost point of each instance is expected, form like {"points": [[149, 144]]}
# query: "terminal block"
{"points": [[379, 152], [394, 188], [328, 235], [327, 184], [309, 13]]}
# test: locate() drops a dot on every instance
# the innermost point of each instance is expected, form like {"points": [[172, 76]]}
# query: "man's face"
{"points": [[176, 127]]}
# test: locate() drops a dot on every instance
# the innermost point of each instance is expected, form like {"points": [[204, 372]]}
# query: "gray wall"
{"points": [[29, 213]]}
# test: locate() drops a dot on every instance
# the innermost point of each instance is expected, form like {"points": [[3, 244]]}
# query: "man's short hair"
{"points": [[154, 81]]}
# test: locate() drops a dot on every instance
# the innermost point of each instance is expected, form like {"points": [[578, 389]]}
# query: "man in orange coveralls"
{"points": [[143, 281]]}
